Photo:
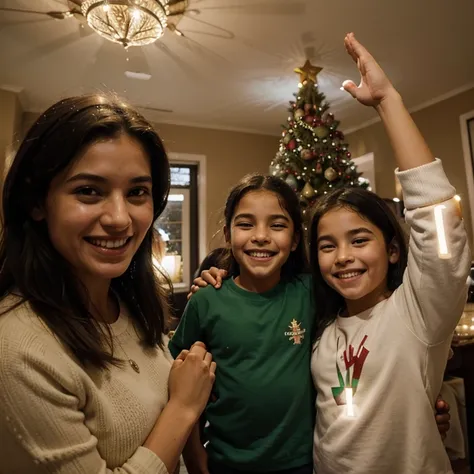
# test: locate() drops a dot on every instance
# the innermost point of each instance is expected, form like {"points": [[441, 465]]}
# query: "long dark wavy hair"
{"points": [[29, 263], [328, 302], [297, 262]]}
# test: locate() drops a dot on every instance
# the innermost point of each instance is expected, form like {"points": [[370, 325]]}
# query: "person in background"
{"points": [[87, 385]]}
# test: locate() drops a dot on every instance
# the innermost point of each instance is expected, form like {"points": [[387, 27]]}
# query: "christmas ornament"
{"points": [[330, 174], [287, 138], [321, 132], [308, 72], [291, 181], [308, 119], [308, 191], [319, 168], [299, 113], [317, 182], [306, 154], [307, 108], [292, 144]]}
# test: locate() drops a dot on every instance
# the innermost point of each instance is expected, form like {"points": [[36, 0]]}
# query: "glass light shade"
{"points": [[127, 22]]}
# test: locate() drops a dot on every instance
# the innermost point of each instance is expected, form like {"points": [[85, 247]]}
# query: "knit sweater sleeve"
{"points": [[434, 289], [42, 428]]}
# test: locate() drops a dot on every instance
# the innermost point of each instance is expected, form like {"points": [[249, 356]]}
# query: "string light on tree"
{"points": [[312, 155]]}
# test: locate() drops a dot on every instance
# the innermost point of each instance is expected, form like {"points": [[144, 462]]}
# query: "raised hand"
{"points": [[374, 85]]}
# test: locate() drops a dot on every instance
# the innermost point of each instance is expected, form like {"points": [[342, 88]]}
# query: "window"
{"points": [[467, 135], [177, 227]]}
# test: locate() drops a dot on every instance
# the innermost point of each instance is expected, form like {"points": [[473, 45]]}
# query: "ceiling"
{"points": [[233, 69]]}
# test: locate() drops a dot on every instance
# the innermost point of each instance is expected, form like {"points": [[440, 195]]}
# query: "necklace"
{"points": [[132, 363]]}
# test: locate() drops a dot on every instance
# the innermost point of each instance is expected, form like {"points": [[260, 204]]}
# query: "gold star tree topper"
{"points": [[308, 72]]}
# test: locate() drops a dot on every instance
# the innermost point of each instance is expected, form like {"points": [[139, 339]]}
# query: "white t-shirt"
{"points": [[393, 355]]}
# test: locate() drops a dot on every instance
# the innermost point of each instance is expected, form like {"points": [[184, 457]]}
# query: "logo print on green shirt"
{"points": [[296, 333]]}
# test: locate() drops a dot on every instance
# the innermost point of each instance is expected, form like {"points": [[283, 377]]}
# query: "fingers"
{"points": [[354, 48], [222, 274], [212, 368], [443, 419], [349, 46], [182, 355], [210, 276], [199, 348], [442, 406], [208, 359], [200, 282], [350, 87]]}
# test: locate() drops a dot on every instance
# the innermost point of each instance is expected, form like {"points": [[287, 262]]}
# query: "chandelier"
{"points": [[127, 22]]}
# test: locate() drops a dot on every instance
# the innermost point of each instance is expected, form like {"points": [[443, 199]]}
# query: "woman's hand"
{"points": [[213, 276], [191, 378], [442, 417], [374, 85]]}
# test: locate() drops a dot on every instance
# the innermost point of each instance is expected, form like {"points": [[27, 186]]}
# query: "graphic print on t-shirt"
{"points": [[296, 332], [353, 365]]}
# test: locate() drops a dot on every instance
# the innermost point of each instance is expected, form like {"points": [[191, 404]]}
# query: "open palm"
{"points": [[374, 85]]}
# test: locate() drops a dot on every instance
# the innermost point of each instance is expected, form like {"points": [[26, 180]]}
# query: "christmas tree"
{"points": [[313, 158]]}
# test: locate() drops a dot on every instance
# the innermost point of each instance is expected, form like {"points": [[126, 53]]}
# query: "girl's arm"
{"points": [[376, 90], [194, 454], [434, 288]]}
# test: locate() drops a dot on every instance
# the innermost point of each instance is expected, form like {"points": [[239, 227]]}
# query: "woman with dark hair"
{"points": [[87, 383]]}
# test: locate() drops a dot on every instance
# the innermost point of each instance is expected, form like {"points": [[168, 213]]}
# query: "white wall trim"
{"points": [[200, 160], [416, 108], [467, 152]]}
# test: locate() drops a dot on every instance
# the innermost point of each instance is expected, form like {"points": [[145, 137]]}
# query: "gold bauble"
{"points": [[308, 191], [330, 174]]}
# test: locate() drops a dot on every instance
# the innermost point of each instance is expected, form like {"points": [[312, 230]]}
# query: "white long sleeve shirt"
{"points": [[395, 353]]}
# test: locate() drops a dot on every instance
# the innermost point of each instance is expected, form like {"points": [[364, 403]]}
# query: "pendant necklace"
{"points": [[131, 362]]}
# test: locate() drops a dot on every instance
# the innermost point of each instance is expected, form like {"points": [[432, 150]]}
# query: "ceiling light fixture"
{"points": [[127, 22]]}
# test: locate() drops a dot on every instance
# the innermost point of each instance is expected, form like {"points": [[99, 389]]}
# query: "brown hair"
{"points": [[28, 260]]}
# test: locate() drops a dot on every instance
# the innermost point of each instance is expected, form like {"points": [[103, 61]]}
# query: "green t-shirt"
{"points": [[263, 417]]}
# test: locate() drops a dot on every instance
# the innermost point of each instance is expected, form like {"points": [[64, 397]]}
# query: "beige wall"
{"points": [[440, 126], [229, 156], [10, 125]]}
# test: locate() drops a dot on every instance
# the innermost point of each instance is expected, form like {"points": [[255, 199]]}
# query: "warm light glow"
{"points": [[136, 14], [171, 265], [457, 198], [396, 200], [443, 251], [120, 21], [176, 197], [349, 403]]}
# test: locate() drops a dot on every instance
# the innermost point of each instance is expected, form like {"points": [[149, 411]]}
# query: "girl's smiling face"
{"points": [[354, 258]]}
